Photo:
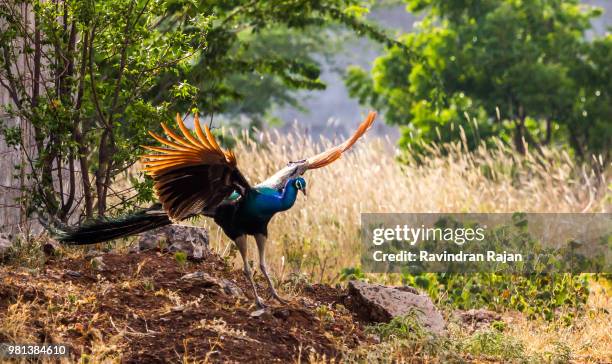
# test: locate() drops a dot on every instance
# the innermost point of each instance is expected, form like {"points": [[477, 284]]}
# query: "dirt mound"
{"points": [[138, 307]]}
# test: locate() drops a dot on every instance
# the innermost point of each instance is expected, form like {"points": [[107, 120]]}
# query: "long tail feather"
{"points": [[109, 229]]}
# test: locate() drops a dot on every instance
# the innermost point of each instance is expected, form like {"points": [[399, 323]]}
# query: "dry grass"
{"points": [[15, 322], [320, 234], [588, 339]]}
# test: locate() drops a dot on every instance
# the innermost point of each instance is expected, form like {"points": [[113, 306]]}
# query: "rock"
{"points": [[5, 244], [203, 279], [231, 289], [193, 250], [150, 239], [262, 313], [193, 275], [227, 286], [134, 248], [98, 264], [282, 314], [73, 273], [192, 240], [93, 254], [477, 318], [408, 289], [378, 303], [480, 315], [201, 276], [50, 247]]}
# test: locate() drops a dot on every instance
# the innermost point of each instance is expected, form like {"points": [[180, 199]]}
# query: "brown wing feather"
{"points": [[330, 155], [191, 173]]}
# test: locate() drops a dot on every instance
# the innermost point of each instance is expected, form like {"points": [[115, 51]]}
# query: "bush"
{"points": [[537, 295]]}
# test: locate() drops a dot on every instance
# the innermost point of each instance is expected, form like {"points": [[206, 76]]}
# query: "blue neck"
{"points": [[289, 195], [267, 201]]}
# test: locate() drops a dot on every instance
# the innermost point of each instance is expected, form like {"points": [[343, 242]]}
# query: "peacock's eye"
{"points": [[298, 184]]}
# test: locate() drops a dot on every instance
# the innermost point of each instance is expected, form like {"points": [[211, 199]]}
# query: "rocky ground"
{"points": [[154, 306], [148, 307]]}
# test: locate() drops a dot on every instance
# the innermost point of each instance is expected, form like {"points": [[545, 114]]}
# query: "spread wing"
{"points": [[294, 169], [192, 173]]}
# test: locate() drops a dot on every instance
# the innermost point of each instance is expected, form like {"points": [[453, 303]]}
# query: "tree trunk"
{"points": [[576, 143], [77, 131], [67, 206], [519, 136], [103, 155], [548, 132]]}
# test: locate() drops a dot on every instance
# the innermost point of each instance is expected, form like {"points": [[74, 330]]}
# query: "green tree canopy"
{"points": [[90, 77], [519, 70]]}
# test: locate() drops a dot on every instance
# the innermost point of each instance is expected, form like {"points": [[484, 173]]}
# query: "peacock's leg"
{"points": [[241, 243], [261, 247]]}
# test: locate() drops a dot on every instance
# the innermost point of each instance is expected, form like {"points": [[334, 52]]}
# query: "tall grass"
{"points": [[320, 234]]}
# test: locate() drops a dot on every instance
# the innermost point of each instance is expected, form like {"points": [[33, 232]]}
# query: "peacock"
{"points": [[194, 176]]}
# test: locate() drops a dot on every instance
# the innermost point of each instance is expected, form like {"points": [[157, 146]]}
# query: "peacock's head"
{"points": [[300, 184]]}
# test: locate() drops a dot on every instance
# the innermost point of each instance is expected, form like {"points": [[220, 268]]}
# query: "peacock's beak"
{"points": [[304, 191]]}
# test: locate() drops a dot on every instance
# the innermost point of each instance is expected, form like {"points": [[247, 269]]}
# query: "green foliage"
{"points": [[351, 273], [102, 57], [531, 286], [538, 295], [405, 337], [532, 289], [148, 285], [257, 52], [26, 251], [562, 354], [499, 325], [494, 344], [406, 334], [324, 314], [102, 73], [311, 257], [406, 327], [181, 258], [518, 70]]}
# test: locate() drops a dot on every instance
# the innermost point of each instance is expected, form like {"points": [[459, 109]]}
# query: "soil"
{"points": [[139, 306]]}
